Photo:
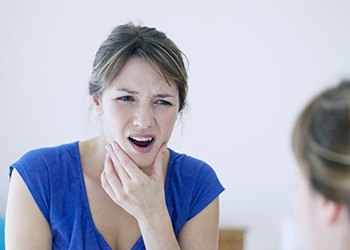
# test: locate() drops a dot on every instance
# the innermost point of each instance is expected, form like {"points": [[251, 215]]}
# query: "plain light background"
{"points": [[253, 66]]}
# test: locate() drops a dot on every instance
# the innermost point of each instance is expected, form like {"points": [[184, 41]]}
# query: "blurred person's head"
{"points": [[321, 143]]}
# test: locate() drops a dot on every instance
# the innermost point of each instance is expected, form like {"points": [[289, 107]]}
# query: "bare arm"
{"points": [[25, 227], [201, 232]]}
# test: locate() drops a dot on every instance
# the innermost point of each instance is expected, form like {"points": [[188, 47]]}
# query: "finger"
{"points": [[107, 188], [118, 167], [158, 161], [112, 176], [126, 162]]}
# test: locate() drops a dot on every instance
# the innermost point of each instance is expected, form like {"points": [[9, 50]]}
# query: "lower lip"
{"points": [[142, 150]]}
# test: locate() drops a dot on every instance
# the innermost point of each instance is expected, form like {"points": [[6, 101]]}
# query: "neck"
{"points": [[337, 234], [343, 226], [92, 155]]}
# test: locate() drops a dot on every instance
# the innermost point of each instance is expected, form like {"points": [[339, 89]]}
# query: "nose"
{"points": [[143, 117]]}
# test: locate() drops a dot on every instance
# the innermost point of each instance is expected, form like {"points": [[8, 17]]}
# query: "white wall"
{"points": [[253, 65]]}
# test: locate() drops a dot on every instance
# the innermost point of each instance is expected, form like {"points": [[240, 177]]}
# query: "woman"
{"points": [[123, 189], [321, 143]]}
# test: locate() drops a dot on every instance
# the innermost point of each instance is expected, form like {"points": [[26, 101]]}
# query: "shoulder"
{"points": [[48, 173], [44, 152], [190, 167], [191, 185], [41, 158]]}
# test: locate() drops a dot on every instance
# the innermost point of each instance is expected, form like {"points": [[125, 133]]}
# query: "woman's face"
{"points": [[139, 109]]}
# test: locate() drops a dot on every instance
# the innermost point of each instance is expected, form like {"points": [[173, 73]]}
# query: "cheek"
{"points": [[301, 196], [303, 209], [114, 121], [167, 121], [116, 114], [298, 201]]}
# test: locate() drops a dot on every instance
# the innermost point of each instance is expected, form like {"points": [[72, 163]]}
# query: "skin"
{"points": [[125, 188], [324, 224]]}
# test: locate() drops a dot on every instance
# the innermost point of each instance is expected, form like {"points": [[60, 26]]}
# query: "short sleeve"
{"points": [[32, 167], [206, 188]]}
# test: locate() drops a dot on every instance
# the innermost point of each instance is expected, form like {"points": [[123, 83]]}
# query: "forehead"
{"points": [[140, 75]]}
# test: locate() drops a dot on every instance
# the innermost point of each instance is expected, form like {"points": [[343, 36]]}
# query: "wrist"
{"points": [[154, 218], [157, 231]]}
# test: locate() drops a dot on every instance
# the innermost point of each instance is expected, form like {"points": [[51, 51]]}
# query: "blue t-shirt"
{"points": [[55, 179]]}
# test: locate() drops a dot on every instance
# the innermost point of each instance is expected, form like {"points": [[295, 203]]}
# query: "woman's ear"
{"points": [[96, 99], [330, 210]]}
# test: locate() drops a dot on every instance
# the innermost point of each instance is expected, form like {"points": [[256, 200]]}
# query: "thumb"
{"points": [[158, 161]]}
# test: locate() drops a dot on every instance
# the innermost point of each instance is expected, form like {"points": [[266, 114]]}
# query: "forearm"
{"points": [[157, 232]]}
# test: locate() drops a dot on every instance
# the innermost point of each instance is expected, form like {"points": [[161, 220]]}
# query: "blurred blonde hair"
{"points": [[321, 143]]}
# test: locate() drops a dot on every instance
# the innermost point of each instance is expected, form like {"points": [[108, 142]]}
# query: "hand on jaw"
{"points": [[128, 186]]}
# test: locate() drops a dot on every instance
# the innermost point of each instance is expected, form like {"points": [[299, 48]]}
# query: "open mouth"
{"points": [[142, 142]]}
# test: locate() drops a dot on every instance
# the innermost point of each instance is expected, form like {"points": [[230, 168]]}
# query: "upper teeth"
{"points": [[142, 138]]}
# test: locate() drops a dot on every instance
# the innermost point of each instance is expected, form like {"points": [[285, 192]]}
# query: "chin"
{"points": [[142, 161]]}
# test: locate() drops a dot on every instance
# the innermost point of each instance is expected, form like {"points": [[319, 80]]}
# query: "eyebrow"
{"points": [[128, 91], [136, 93]]}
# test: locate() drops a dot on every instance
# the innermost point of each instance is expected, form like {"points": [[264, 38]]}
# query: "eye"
{"points": [[163, 103], [127, 98]]}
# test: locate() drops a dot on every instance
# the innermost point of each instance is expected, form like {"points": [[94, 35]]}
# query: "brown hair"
{"points": [[130, 40], [321, 142]]}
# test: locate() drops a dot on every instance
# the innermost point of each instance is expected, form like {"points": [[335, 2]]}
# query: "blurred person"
{"points": [[321, 143]]}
